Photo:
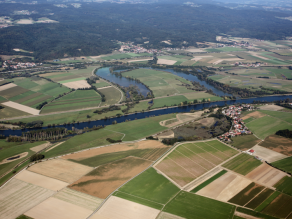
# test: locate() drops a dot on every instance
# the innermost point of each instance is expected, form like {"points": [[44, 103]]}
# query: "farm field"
{"points": [[119, 208], [18, 197], [60, 169], [78, 198], [266, 202], [191, 160], [169, 101], [266, 175], [150, 186], [161, 83], [260, 198], [200, 96], [54, 208], [245, 142], [278, 143], [112, 96], [20, 107], [267, 154], [105, 179], [225, 187], [285, 164], [242, 164], [150, 150], [76, 83], [100, 84], [8, 112], [76, 100], [280, 207], [180, 206], [284, 185]]}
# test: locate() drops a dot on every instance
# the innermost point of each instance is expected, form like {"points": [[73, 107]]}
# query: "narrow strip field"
{"points": [[21, 107]]}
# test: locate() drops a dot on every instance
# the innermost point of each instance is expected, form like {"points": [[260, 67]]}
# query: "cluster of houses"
{"points": [[257, 64], [238, 127], [136, 49], [19, 65]]}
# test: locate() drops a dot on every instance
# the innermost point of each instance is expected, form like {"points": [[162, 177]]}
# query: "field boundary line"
{"points": [[117, 132], [217, 149], [200, 156], [183, 167], [209, 152], [255, 196], [140, 197], [192, 161], [168, 202]]}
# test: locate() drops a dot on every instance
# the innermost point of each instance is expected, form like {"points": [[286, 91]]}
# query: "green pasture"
{"points": [[281, 71], [169, 101], [244, 142], [101, 84], [285, 116], [117, 56], [2, 99], [140, 128], [8, 112], [84, 141], [72, 80], [201, 95], [267, 125], [188, 205], [284, 164], [151, 186], [242, 164], [225, 49], [27, 83], [112, 96], [285, 185], [207, 182], [143, 105], [22, 97]]}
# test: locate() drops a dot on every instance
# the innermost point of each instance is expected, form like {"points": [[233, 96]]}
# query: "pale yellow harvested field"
{"points": [[61, 169], [271, 107], [118, 208], [21, 107], [55, 146], [7, 86], [140, 60], [25, 21], [18, 197], [148, 144], [266, 175], [164, 215], [40, 147], [40, 180], [234, 187], [258, 56], [196, 59], [79, 198], [77, 84], [216, 62], [22, 155], [195, 50], [54, 208], [267, 154], [166, 62]]}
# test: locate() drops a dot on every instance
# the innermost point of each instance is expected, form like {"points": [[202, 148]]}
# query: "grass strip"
{"points": [[267, 201], [138, 200], [207, 182], [255, 214]]}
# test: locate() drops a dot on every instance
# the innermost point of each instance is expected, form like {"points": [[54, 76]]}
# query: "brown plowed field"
{"points": [[204, 154], [63, 170], [175, 172], [148, 144], [155, 154], [279, 144], [103, 180]]}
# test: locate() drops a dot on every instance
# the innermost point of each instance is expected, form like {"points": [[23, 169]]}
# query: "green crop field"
{"points": [[267, 201], [117, 56], [242, 164], [267, 125], [169, 101], [245, 142], [285, 116], [141, 128], [8, 112], [259, 199], [188, 205], [84, 141], [112, 96], [101, 84], [26, 83], [72, 80], [12, 92], [207, 182], [151, 186], [142, 105], [76, 100], [246, 194], [161, 83], [280, 207], [284, 164], [285, 185], [12, 149]]}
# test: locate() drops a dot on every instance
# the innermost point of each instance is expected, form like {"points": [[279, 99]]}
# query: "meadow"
{"points": [[284, 185], [78, 99], [284, 164], [8, 112], [245, 142], [112, 96]]}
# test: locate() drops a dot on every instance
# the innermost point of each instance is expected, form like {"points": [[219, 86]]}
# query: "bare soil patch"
{"points": [[255, 115], [7, 86], [40, 147], [267, 154], [25, 21], [17, 197], [279, 144], [165, 62], [63, 170], [118, 208], [13, 158], [271, 107], [77, 84], [195, 50], [102, 181], [167, 134], [40, 180], [21, 107], [148, 144], [54, 208]]}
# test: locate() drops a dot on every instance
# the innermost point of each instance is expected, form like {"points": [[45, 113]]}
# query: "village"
{"points": [[19, 65]]}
